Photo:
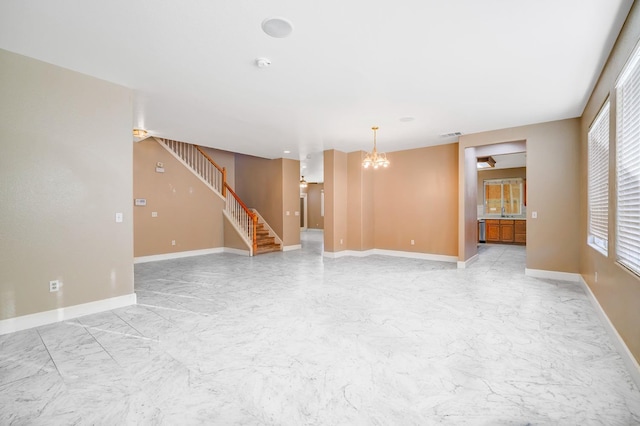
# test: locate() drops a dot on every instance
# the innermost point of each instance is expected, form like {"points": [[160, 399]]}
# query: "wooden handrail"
{"points": [[201, 151], [243, 205], [222, 170]]}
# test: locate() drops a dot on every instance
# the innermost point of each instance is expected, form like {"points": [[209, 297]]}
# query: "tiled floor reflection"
{"points": [[297, 339]]}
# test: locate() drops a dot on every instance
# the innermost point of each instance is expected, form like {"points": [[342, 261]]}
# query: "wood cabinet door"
{"points": [[493, 232], [506, 233]]}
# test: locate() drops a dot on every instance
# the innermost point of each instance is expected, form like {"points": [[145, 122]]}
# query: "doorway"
{"points": [[303, 212]]}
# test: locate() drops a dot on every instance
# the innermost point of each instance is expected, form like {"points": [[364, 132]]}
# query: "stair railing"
{"points": [[245, 218], [216, 176], [201, 163]]}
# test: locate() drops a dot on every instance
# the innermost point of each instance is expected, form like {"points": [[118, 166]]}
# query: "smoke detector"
{"points": [[263, 63]]}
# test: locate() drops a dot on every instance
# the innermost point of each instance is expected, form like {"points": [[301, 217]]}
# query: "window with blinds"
{"points": [[628, 165], [598, 181]]}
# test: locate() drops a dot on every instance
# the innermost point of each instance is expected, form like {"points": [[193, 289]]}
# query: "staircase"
{"points": [[266, 243], [253, 229]]}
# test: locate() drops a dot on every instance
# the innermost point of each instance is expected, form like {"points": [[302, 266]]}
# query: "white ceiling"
{"points": [[457, 65]]}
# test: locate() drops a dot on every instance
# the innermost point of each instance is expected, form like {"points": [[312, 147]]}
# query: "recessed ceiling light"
{"points": [[407, 119], [277, 27], [287, 152]]}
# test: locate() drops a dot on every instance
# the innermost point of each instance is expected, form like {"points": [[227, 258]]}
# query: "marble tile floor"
{"points": [[292, 338]]}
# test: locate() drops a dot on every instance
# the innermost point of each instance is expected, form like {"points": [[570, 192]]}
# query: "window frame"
{"points": [[627, 225], [598, 154]]}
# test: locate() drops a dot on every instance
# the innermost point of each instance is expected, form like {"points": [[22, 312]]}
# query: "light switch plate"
{"points": [[119, 217]]}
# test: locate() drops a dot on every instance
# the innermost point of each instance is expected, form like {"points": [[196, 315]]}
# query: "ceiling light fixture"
{"points": [[277, 27], [374, 159], [486, 162], [303, 183], [139, 133]]}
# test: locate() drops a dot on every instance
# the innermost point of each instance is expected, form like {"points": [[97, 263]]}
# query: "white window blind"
{"points": [[598, 181], [628, 165]]}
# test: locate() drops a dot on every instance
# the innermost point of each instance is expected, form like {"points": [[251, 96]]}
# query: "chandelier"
{"points": [[373, 158], [303, 183]]}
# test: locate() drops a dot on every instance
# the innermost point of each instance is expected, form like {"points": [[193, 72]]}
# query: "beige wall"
{"points": [[360, 212], [335, 199], [314, 219], [552, 191], [617, 290], [416, 198], [65, 170], [272, 188], [188, 212]]}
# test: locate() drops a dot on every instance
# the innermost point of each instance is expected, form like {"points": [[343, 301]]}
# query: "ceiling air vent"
{"points": [[450, 135]]}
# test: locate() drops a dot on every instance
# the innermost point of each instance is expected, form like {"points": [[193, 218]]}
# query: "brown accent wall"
{"points": [[552, 191], [360, 206], [258, 184], [416, 198], [290, 201], [314, 219], [617, 290], [224, 159], [188, 212], [65, 171], [271, 187], [335, 207]]}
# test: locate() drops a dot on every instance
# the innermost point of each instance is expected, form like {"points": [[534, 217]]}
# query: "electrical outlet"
{"points": [[534, 215], [340, 240], [173, 242], [413, 242], [54, 286]]}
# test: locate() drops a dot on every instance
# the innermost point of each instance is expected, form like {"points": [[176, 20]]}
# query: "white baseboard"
{"points": [[177, 255], [552, 275], [627, 357], [294, 247], [237, 251], [24, 322], [394, 253], [471, 260]]}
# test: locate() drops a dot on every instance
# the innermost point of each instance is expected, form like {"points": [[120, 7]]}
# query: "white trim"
{"points": [[314, 230], [294, 247], [24, 322], [393, 253], [177, 255], [237, 251], [627, 357], [552, 275], [471, 260]]}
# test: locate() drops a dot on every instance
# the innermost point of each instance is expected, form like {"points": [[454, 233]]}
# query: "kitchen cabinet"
{"points": [[520, 236], [506, 231], [493, 230]]}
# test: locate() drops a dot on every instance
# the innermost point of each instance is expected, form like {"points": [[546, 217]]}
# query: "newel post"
{"points": [[254, 217], [224, 182]]}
